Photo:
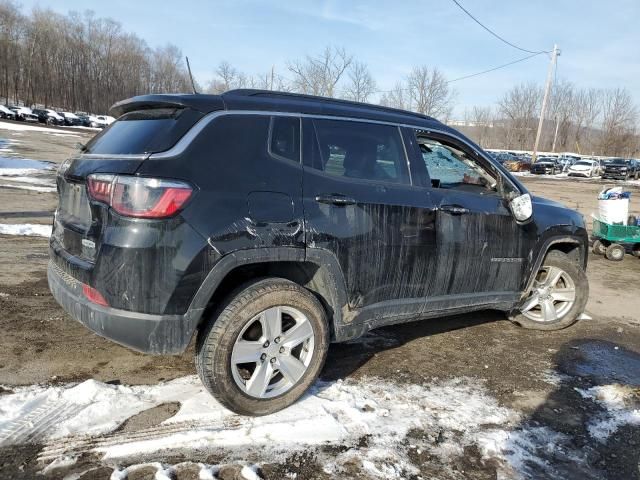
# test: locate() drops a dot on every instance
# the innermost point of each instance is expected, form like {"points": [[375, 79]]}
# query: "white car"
{"points": [[6, 113], [584, 168], [101, 121]]}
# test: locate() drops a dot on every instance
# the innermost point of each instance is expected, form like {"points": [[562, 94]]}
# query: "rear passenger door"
{"points": [[361, 208]]}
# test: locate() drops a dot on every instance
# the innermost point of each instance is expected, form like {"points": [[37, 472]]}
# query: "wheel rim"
{"points": [[272, 352], [552, 296]]}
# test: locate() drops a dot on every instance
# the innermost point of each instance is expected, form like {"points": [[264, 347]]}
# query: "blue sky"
{"points": [[600, 41]]}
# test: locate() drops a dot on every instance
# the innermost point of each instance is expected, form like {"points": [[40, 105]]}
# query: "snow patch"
{"points": [[379, 421], [31, 188], [29, 229], [18, 127], [622, 405]]}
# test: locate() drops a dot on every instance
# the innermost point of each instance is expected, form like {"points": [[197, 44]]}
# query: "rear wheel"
{"points": [[557, 298], [615, 252], [599, 248], [265, 348]]}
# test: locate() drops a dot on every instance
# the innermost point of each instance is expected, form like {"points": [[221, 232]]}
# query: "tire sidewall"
{"points": [[233, 318]]}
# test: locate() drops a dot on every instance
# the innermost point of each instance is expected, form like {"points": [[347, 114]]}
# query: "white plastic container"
{"points": [[614, 212]]}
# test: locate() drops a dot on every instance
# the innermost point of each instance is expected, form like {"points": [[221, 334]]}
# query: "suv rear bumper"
{"points": [[144, 332]]}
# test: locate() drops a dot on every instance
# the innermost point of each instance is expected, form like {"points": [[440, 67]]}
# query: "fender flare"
{"points": [[331, 278], [544, 249]]}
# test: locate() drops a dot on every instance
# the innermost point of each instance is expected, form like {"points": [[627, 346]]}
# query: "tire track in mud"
{"points": [[76, 445]]}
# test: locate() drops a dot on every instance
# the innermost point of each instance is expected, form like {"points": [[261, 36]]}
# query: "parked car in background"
{"points": [[584, 168], [70, 119], [621, 168], [149, 248], [566, 162], [7, 113], [518, 165], [546, 166], [85, 119], [503, 157], [101, 121], [25, 114], [48, 116]]}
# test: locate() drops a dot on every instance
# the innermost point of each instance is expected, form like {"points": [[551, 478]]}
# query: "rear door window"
{"points": [[359, 150], [285, 138], [144, 131]]}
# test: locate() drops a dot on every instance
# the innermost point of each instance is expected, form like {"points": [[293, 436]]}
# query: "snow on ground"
{"points": [[622, 407], [26, 174], [382, 424], [29, 229], [22, 127]]}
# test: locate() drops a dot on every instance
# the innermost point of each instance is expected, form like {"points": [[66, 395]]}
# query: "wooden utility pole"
{"points": [[555, 135], [547, 89]]}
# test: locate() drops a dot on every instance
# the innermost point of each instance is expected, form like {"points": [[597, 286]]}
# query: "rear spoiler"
{"points": [[200, 103]]}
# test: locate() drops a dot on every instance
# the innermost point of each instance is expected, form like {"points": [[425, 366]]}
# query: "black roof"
{"points": [[267, 100]]}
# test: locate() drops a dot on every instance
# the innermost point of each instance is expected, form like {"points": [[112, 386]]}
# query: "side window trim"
{"points": [[484, 162], [272, 120]]}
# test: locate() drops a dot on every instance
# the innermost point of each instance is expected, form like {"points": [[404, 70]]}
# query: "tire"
{"points": [[632, 220], [242, 320], [635, 251], [566, 312], [615, 252], [599, 248]]}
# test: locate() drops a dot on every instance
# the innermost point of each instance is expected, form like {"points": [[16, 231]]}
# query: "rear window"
{"points": [[144, 131]]}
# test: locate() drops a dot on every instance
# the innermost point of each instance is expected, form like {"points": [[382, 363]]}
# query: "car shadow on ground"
{"points": [[347, 357], [598, 384]]}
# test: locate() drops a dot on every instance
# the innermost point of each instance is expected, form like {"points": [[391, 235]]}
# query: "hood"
{"points": [[546, 201], [581, 167]]}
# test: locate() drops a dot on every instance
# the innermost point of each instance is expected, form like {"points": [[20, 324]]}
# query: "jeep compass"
{"points": [[265, 225]]}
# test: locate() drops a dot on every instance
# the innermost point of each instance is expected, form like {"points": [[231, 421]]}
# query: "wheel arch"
{"points": [[316, 270], [574, 247]]}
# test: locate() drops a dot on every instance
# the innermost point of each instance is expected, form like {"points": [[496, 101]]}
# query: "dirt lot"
{"points": [[537, 375]]}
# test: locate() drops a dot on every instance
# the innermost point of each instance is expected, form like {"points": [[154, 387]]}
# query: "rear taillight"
{"points": [[139, 197], [100, 187]]}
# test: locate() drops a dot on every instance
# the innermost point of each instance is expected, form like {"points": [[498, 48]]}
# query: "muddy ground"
{"points": [[41, 345]]}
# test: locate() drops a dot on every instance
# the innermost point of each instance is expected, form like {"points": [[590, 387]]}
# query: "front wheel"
{"points": [[265, 348], [557, 298]]}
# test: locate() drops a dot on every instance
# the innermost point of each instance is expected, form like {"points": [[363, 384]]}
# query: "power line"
{"points": [[496, 68], [473, 74], [492, 32]]}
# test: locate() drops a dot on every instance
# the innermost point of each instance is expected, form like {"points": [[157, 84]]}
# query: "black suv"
{"points": [[622, 169], [271, 224], [546, 166]]}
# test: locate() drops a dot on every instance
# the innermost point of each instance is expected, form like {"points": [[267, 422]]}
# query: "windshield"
{"points": [[588, 164], [619, 161]]}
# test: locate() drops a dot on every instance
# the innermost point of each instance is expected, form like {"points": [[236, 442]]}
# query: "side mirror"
{"points": [[521, 207]]}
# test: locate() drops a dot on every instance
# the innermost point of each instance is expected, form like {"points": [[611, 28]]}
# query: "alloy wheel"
{"points": [[272, 352], [552, 296]]}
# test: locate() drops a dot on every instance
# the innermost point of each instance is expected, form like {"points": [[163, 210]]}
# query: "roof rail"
{"points": [[249, 92]]}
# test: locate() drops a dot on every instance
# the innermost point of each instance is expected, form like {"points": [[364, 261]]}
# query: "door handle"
{"points": [[454, 209], [340, 200]]}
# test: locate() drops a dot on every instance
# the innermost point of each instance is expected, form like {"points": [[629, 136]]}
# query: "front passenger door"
{"points": [[481, 248]]}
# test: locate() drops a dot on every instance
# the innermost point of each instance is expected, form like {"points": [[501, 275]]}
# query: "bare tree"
{"points": [[619, 117], [320, 75], [361, 84], [227, 78], [396, 98], [429, 92], [482, 121], [520, 106], [587, 108], [562, 108]]}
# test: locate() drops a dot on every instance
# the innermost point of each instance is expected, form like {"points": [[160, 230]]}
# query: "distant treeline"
{"points": [[80, 62]]}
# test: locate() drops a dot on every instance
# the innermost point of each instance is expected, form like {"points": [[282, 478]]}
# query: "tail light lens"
{"points": [[139, 197]]}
